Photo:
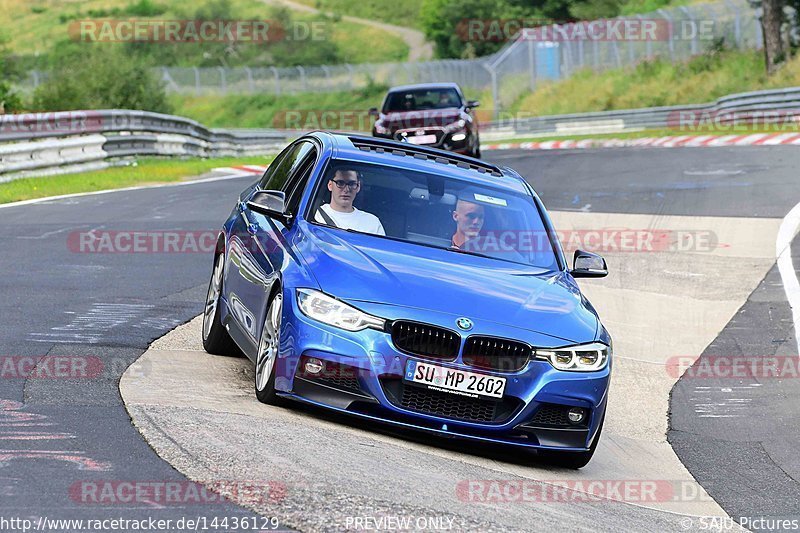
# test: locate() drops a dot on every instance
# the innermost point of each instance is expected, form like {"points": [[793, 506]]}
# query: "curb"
{"points": [[696, 141], [248, 169]]}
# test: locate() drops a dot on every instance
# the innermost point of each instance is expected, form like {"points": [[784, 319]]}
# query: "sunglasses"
{"points": [[350, 185]]}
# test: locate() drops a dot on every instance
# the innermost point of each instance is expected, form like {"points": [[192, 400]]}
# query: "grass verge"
{"points": [[300, 111], [345, 110], [658, 82], [146, 171], [36, 27]]}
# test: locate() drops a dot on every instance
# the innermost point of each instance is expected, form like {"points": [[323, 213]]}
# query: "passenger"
{"points": [[469, 218], [445, 100], [340, 212]]}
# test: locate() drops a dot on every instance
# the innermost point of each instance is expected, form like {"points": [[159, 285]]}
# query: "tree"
{"points": [[445, 21], [9, 101], [771, 21], [97, 77]]}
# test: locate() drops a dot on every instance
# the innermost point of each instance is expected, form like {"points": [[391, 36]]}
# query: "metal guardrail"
{"points": [[47, 143], [768, 106]]}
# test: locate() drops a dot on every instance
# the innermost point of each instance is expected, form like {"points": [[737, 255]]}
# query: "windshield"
{"points": [[432, 210], [420, 99]]}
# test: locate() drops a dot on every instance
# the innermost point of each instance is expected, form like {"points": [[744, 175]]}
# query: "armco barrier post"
{"points": [[223, 81], [695, 45], [531, 61], [250, 85], [671, 29], [495, 90], [277, 80]]}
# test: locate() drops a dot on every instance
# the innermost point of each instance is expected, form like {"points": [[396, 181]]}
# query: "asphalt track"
{"points": [[112, 306], [744, 452]]}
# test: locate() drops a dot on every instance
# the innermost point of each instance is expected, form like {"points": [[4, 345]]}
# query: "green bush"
{"points": [[97, 77], [9, 101], [145, 8]]}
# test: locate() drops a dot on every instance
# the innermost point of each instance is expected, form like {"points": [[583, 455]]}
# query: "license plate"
{"points": [[422, 139], [455, 381]]}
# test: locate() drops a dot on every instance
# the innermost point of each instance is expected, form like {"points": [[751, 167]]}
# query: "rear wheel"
{"points": [[572, 460], [268, 353], [216, 339]]}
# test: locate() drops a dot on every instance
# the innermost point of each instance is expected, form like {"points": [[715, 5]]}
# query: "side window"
{"points": [[267, 177], [279, 171], [300, 182]]}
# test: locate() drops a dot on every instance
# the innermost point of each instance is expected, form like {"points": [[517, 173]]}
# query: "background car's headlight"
{"points": [[455, 126], [381, 129], [320, 306], [580, 358]]}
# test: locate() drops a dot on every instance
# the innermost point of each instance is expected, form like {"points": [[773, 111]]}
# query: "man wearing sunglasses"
{"points": [[340, 212], [469, 217]]}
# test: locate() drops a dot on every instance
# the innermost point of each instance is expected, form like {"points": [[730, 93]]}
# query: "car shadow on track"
{"points": [[496, 452]]}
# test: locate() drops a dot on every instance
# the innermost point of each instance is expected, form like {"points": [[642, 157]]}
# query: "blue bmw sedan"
{"points": [[413, 287]]}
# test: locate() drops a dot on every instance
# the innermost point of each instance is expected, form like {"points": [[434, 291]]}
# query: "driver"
{"points": [[340, 212], [469, 218]]}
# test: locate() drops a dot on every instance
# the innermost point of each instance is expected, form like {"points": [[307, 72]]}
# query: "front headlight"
{"points": [[455, 126], [320, 306], [580, 358], [381, 129]]}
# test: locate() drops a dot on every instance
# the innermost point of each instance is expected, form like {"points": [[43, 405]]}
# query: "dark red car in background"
{"points": [[429, 114]]}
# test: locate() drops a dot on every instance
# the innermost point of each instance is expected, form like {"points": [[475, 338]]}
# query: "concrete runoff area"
{"points": [[200, 414]]}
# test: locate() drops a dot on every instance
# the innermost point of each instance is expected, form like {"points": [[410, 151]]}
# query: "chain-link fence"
{"points": [[548, 52], [676, 34]]}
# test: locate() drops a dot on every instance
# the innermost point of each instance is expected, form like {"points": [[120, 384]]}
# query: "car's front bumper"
{"points": [[444, 141], [364, 378]]}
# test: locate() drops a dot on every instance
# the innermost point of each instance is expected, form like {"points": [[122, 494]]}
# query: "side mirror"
{"points": [[473, 103], [373, 112], [271, 204], [588, 265]]}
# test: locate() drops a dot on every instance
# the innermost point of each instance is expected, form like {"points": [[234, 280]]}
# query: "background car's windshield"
{"points": [[429, 209], [421, 99]]}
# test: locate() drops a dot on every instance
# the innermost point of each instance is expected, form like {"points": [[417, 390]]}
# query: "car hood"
{"points": [[363, 268], [421, 119]]}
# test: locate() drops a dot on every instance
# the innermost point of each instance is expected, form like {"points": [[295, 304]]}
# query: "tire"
{"points": [[476, 151], [268, 345], [572, 460], [216, 339]]}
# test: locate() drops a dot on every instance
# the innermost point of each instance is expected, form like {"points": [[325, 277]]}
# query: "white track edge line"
{"points": [[783, 251], [240, 174]]}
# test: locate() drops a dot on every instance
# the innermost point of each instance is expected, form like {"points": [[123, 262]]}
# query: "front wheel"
{"points": [[572, 460], [476, 152], [268, 353]]}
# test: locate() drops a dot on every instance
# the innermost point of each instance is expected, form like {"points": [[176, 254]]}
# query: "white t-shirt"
{"points": [[357, 220]]}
